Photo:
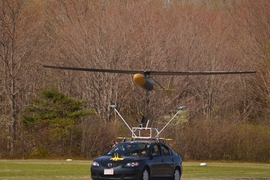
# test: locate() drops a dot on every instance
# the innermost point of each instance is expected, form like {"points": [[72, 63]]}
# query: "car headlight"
{"points": [[132, 164], [95, 163]]}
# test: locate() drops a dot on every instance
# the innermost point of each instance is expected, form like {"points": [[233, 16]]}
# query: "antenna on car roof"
{"points": [[146, 132]]}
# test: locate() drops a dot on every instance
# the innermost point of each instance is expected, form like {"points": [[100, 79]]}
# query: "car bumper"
{"points": [[97, 173]]}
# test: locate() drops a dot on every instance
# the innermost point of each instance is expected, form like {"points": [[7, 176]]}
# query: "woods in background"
{"points": [[227, 116]]}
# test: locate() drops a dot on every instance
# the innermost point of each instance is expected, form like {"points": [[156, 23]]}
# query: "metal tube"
{"points": [[168, 122], [124, 121]]}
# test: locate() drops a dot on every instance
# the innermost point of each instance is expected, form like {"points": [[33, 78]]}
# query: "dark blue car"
{"points": [[138, 160]]}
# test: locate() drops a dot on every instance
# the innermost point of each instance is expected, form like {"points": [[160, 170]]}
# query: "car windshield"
{"points": [[130, 149]]}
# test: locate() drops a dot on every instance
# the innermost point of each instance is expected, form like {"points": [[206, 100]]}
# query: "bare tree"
{"points": [[149, 35], [19, 37], [252, 33]]}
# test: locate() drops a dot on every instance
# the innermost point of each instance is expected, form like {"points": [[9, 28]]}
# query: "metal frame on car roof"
{"points": [[146, 133]]}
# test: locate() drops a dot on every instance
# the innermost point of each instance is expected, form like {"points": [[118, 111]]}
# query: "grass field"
{"points": [[76, 169]]}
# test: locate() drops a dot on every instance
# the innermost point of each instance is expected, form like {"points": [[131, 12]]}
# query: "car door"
{"points": [[156, 161], [168, 160]]}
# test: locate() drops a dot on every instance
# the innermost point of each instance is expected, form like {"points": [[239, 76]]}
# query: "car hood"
{"points": [[110, 161], [118, 159]]}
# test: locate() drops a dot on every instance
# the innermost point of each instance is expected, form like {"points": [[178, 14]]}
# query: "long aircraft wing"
{"points": [[150, 72]]}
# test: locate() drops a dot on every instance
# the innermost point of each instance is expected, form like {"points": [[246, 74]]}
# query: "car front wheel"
{"points": [[145, 174], [176, 174]]}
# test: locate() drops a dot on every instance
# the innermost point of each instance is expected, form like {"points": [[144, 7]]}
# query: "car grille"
{"points": [[113, 164]]}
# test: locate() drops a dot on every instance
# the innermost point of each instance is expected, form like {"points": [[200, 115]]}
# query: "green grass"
{"points": [[61, 169], [44, 169], [226, 170]]}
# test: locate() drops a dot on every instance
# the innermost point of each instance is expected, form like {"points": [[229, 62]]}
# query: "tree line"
{"points": [[227, 116]]}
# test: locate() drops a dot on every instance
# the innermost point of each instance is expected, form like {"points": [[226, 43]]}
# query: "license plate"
{"points": [[108, 171]]}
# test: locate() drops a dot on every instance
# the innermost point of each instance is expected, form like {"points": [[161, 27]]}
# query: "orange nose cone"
{"points": [[139, 79]]}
